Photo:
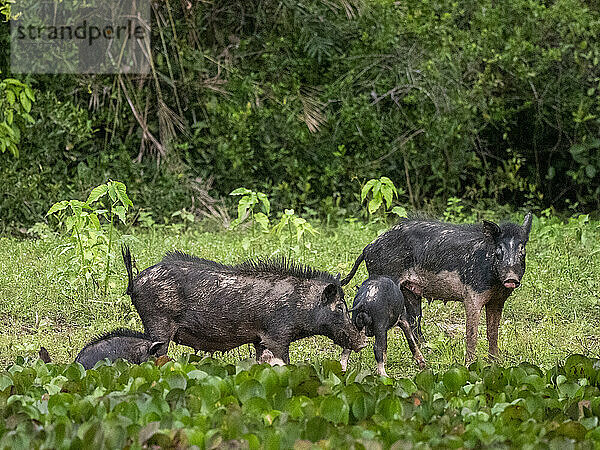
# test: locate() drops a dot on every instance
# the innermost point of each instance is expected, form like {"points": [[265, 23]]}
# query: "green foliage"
{"points": [[246, 207], [382, 191], [207, 403], [16, 99], [92, 242], [290, 225], [5, 9], [247, 204], [455, 211], [296, 227], [493, 103]]}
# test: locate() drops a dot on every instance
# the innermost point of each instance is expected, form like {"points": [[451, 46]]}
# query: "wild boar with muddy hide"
{"points": [[215, 307], [477, 264]]}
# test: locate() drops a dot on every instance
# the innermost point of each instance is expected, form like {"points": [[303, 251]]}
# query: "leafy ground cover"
{"points": [[209, 403]]}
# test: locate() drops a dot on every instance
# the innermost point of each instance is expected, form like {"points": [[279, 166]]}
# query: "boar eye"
{"points": [[340, 306]]}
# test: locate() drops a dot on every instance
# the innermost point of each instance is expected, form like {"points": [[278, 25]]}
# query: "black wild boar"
{"points": [[379, 306], [478, 264], [130, 345], [213, 307]]}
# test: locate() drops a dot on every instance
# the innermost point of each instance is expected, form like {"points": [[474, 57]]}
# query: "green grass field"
{"points": [[555, 313]]}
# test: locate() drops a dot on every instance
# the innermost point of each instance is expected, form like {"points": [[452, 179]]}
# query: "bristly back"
{"points": [[277, 266], [119, 332]]}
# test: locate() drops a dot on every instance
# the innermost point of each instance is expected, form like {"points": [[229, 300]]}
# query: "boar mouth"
{"points": [[362, 344], [356, 340], [511, 283]]}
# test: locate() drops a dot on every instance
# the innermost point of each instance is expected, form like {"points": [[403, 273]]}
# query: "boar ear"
{"points": [[154, 347], [330, 293], [527, 225], [491, 229]]}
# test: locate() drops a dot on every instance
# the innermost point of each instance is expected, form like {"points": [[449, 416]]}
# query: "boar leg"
{"points": [[414, 312], [412, 344], [380, 350], [473, 305], [282, 353], [259, 348], [493, 314], [160, 329], [344, 358]]}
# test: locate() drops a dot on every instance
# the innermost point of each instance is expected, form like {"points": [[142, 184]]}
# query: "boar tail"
{"points": [[128, 266], [346, 280]]}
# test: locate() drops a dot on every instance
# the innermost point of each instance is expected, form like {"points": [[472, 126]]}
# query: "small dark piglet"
{"points": [[379, 306], [130, 345], [477, 264]]}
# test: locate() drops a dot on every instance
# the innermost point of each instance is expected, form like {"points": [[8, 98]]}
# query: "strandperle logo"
{"points": [[74, 36], [83, 32]]}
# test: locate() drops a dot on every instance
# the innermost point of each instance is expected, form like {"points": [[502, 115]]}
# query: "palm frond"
{"points": [[313, 114]]}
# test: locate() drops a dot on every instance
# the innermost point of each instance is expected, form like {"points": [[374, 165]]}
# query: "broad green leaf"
{"points": [[94, 221], [265, 201], [29, 92], [58, 207], [121, 192], [96, 193], [387, 182], [240, 191], [112, 191], [400, 211], [176, 380], [388, 195], [250, 388], [390, 407], [590, 171], [242, 209], [119, 210], [256, 406], [25, 102], [10, 97], [454, 379], [5, 381], [366, 188], [374, 204], [334, 409], [263, 221]]}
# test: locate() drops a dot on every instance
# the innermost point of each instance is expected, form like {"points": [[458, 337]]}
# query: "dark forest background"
{"points": [[492, 102]]}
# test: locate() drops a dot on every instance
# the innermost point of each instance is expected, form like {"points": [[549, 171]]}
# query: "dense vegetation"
{"points": [[211, 404], [493, 102]]}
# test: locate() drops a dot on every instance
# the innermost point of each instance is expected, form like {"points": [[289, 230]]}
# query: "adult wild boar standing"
{"points": [[477, 264], [214, 307]]}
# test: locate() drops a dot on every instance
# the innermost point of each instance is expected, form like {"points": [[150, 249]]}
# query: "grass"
{"points": [[555, 313]]}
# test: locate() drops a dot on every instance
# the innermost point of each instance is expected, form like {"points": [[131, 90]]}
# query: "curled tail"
{"points": [[128, 266], [346, 280]]}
